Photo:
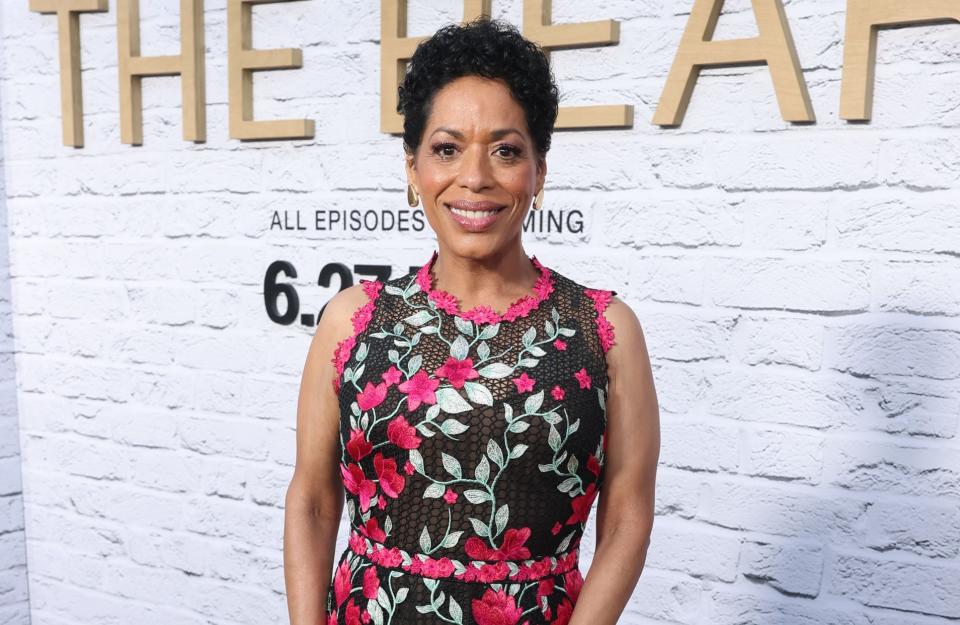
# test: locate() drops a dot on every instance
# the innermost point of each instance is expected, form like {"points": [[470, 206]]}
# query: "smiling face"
{"points": [[477, 169]]}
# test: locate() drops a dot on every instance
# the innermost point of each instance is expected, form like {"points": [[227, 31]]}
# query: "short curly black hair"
{"points": [[484, 47]]}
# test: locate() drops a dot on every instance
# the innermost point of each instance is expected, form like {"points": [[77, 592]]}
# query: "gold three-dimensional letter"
{"points": [[537, 26], [71, 92], [189, 64], [242, 61], [774, 46], [864, 18]]}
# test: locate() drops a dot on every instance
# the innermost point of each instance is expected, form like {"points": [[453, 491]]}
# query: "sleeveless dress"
{"points": [[471, 452]]}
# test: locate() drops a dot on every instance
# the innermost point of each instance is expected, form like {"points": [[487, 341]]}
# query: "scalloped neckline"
{"points": [[483, 314]]}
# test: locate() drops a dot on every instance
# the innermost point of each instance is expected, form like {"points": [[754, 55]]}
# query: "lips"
{"points": [[475, 216]]}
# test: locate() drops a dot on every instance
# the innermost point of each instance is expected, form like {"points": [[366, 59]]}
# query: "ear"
{"points": [[411, 167], [541, 171]]}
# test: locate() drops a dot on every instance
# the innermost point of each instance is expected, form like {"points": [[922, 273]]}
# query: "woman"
{"points": [[473, 409]]}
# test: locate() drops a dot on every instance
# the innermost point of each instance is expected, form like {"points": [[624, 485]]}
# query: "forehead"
{"points": [[476, 104]]}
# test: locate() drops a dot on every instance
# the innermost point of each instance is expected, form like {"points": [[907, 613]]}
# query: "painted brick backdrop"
{"points": [[798, 287]]}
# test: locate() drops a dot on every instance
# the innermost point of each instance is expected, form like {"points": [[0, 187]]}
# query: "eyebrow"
{"points": [[496, 134]]}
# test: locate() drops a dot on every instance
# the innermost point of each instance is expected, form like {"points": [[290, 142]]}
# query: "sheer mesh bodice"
{"points": [[472, 450]]}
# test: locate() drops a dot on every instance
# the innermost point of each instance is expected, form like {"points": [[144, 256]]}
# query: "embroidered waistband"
{"points": [[463, 570]]}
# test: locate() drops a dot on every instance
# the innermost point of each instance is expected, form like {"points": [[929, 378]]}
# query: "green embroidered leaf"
{"points": [[424, 540], [483, 350], [501, 518], [565, 542], [424, 428], [450, 401], [478, 393], [393, 356], [537, 351], [411, 289], [387, 525], [460, 347], [415, 459], [362, 352], [567, 484], [518, 450], [434, 491], [413, 365], [496, 370], [533, 402], [490, 331], [464, 326], [519, 426], [433, 411], [418, 318], [394, 290], [572, 464], [474, 495], [452, 465], [482, 472], [548, 327], [551, 417], [528, 336], [375, 611], [573, 427], [554, 438], [493, 450], [554, 314], [402, 594], [355, 409], [507, 412], [455, 612], [452, 539], [480, 528], [566, 331], [452, 427], [398, 329], [382, 598], [528, 362], [429, 329], [416, 338], [359, 371]]}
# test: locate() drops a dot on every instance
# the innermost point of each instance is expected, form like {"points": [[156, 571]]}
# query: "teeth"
{"points": [[472, 214]]}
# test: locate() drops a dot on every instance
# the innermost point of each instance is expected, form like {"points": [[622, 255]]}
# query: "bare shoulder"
{"points": [[629, 350], [334, 326]]}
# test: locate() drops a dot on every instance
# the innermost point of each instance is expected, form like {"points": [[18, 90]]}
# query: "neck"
{"points": [[495, 280]]}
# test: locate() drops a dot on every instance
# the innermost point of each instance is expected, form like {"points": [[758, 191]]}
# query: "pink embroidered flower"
{"points": [[391, 482], [432, 567], [391, 376], [496, 607], [352, 614], [560, 344], [450, 496], [564, 612], [573, 582], [601, 298], [358, 446], [524, 383], [402, 434], [457, 371], [408, 468], [445, 302], [581, 505], [482, 315], [513, 547], [341, 583], [371, 583], [371, 529], [557, 392], [372, 395], [593, 465], [360, 319], [556, 528], [420, 389], [357, 483], [583, 378]]}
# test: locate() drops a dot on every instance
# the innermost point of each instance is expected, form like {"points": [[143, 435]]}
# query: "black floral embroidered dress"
{"points": [[472, 450]]}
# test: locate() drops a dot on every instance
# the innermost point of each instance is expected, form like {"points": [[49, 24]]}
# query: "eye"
{"points": [[440, 149], [512, 151]]}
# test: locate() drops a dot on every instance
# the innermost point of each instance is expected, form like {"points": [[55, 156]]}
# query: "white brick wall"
{"points": [[798, 286]]}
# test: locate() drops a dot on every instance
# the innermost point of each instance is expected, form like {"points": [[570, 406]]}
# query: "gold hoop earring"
{"points": [[413, 198], [538, 201]]}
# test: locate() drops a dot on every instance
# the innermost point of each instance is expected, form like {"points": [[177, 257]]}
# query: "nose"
{"points": [[475, 172]]}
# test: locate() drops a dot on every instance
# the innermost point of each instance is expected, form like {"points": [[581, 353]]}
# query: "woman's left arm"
{"points": [[626, 501]]}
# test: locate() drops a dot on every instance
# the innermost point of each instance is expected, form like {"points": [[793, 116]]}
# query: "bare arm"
{"points": [[314, 499], [625, 506]]}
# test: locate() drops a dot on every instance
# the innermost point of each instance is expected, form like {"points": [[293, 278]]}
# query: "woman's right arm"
{"points": [[314, 499]]}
